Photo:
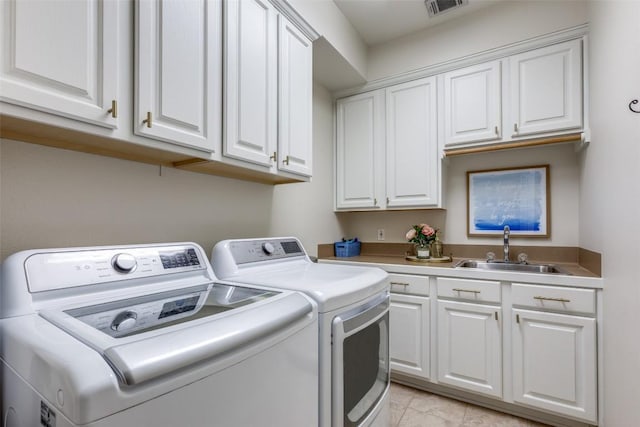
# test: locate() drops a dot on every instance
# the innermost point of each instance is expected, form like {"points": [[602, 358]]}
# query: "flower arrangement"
{"points": [[421, 234]]}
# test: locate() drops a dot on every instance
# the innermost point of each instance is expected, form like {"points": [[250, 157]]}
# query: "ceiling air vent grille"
{"points": [[436, 7]]}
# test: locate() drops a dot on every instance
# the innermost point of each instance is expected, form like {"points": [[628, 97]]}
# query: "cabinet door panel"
{"points": [[470, 347], [295, 101], [409, 335], [472, 104], [554, 363], [359, 124], [546, 89], [412, 153], [179, 72], [61, 57], [250, 81]]}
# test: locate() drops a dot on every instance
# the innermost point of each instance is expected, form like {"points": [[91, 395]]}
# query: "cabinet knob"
{"points": [[114, 109], [148, 120]]}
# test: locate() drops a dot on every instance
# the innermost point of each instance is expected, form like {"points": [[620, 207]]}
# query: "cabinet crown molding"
{"points": [[473, 59]]}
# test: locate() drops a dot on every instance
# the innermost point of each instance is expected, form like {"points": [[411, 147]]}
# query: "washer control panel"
{"points": [[247, 251], [57, 270], [120, 318]]}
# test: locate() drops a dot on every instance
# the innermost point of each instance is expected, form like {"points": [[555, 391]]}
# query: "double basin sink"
{"points": [[512, 266]]}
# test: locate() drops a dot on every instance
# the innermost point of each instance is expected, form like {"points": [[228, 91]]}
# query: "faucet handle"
{"points": [[522, 258], [490, 256]]}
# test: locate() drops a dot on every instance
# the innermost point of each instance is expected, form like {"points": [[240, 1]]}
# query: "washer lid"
{"points": [[150, 336], [331, 286]]}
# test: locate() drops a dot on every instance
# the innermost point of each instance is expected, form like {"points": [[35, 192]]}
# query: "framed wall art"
{"points": [[517, 197]]}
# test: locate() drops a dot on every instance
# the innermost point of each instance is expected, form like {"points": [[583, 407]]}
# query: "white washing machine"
{"points": [[353, 305], [145, 335]]}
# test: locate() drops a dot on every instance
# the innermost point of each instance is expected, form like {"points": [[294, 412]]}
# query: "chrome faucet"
{"points": [[505, 247]]}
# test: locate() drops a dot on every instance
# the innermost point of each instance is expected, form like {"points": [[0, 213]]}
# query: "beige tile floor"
{"points": [[417, 408]]}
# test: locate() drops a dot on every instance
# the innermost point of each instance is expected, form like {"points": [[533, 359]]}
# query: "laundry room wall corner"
{"points": [[305, 210]]}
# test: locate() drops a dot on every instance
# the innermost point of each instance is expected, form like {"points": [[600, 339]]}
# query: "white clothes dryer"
{"points": [[353, 306], [145, 335]]}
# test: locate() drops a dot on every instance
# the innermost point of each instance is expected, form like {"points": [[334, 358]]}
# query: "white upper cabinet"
{"points": [[61, 57], [472, 104], [268, 89], [360, 150], [251, 64], [412, 173], [538, 96], [387, 148], [178, 71], [295, 85], [546, 89]]}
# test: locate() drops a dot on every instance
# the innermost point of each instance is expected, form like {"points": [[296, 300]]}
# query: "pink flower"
{"points": [[411, 234], [427, 230]]}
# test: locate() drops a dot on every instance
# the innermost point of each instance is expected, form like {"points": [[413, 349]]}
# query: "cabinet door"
{"points": [[178, 71], [251, 103], [295, 141], [546, 89], [470, 347], [411, 144], [61, 57], [409, 335], [359, 151], [472, 104], [554, 363]]}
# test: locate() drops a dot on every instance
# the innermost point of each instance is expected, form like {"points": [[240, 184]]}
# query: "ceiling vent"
{"points": [[436, 7]]}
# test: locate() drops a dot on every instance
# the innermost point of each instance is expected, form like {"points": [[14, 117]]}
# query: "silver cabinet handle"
{"points": [[496, 131], [465, 290], [551, 299], [400, 284], [515, 127]]}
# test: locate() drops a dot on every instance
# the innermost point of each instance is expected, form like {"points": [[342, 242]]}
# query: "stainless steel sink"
{"points": [[512, 266]]}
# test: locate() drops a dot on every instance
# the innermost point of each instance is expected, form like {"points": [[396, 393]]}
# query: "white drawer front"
{"points": [[575, 300], [408, 284], [474, 290]]}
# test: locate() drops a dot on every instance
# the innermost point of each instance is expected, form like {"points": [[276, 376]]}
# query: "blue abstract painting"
{"points": [[515, 197]]}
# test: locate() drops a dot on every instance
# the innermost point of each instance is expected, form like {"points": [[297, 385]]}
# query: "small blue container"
{"points": [[347, 248]]}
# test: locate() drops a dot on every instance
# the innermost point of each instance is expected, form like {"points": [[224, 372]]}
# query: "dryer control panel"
{"points": [[247, 251], [65, 269]]}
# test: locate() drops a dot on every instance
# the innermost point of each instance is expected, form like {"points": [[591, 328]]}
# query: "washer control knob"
{"points": [[124, 263], [124, 321], [268, 248]]}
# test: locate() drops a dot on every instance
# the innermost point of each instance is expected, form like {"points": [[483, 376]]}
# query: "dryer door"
{"points": [[360, 359]]}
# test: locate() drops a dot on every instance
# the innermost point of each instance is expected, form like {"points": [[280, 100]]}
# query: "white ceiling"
{"points": [[379, 21]]}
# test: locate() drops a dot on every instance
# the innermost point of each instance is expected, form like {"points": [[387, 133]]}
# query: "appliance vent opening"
{"points": [[436, 7]]}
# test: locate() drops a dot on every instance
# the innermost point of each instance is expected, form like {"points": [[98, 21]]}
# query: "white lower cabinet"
{"points": [[409, 334], [554, 363], [470, 346], [451, 331]]}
